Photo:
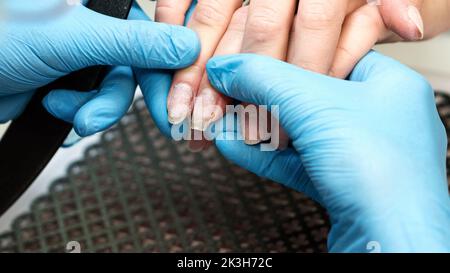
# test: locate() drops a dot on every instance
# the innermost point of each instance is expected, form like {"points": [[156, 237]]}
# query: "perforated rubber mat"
{"points": [[136, 191]]}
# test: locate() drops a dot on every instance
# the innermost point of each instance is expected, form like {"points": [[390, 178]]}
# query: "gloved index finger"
{"points": [[137, 43], [263, 80]]}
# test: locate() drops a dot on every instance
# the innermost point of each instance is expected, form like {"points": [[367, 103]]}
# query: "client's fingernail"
{"points": [[179, 103], [205, 110], [416, 18], [249, 129]]}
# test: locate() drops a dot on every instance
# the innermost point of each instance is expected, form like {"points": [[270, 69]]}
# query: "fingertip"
{"points": [[225, 61], [81, 128], [86, 124], [92, 119], [64, 104], [223, 68], [48, 105], [403, 18]]}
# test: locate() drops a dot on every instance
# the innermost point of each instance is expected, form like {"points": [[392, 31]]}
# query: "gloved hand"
{"points": [[154, 82], [36, 50], [371, 150]]}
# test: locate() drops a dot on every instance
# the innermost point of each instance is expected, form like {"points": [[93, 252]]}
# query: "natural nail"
{"points": [[179, 105], [205, 110], [249, 130], [416, 18]]}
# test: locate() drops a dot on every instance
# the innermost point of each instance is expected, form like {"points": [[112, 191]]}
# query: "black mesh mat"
{"points": [[136, 191]]}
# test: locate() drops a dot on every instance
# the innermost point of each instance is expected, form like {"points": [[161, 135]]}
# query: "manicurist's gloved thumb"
{"points": [[38, 49], [98, 39]]}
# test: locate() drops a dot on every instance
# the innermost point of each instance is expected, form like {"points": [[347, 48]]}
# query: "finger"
{"points": [[13, 105], [287, 87], [209, 104], [276, 85], [112, 41], [403, 17], [64, 104], [155, 86], [267, 33], [268, 28], [235, 76], [95, 112], [317, 30], [361, 31], [172, 11], [210, 20]]}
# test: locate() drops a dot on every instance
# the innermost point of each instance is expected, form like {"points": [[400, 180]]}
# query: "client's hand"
{"points": [[328, 37], [371, 150]]}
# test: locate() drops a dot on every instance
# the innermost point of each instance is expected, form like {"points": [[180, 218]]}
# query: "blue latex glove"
{"points": [[36, 50], [371, 150], [83, 110], [155, 86]]}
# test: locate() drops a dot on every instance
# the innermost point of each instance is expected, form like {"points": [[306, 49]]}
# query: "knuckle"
{"points": [[364, 19], [318, 14], [264, 23], [239, 20], [209, 13]]}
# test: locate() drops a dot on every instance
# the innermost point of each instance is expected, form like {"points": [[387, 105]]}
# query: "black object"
{"points": [[32, 139]]}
